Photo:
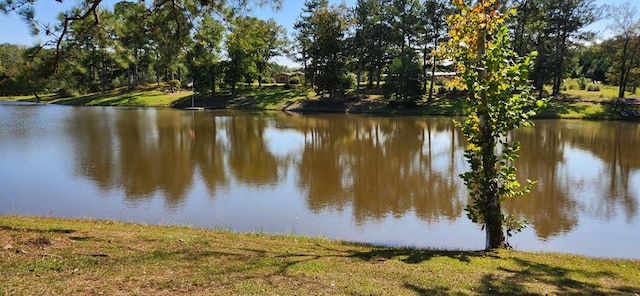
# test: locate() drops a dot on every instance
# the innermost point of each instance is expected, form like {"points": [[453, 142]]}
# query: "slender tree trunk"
{"points": [[622, 81], [36, 96], [424, 67], [433, 79], [128, 79], [436, 38], [519, 35], [233, 89], [135, 68], [213, 83], [171, 78], [358, 76], [493, 214], [304, 66], [103, 78]]}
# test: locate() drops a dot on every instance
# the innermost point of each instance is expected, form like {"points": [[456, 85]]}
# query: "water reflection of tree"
{"points": [[378, 165], [553, 207], [139, 151], [94, 144], [209, 151], [249, 159], [549, 207], [617, 144], [156, 154]]}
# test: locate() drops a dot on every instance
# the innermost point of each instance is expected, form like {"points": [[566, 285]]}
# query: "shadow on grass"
{"points": [[82, 100], [506, 281], [525, 277], [275, 96], [450, 106], [50, 230], [417, 256], [428, 291], [555, 109], [535, 273]]}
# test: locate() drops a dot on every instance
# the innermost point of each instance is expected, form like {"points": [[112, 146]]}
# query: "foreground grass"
{"points": [[47, 256]]}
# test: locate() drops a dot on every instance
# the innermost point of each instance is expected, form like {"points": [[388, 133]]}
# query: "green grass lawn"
{"points": [[598, 92], [147, 97], [49, 256]]}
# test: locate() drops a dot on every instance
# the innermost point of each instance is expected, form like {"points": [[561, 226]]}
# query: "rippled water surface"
{"points": [[384, 180]]}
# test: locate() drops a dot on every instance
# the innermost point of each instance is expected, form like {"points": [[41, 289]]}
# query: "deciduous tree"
{"points": [[499, 100], [624, 47]]}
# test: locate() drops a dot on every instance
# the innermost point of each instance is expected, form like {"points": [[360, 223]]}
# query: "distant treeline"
{"points": [[217, 46]]}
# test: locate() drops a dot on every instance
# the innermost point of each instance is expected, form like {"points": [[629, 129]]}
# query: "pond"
{"points": [[383, 180]]}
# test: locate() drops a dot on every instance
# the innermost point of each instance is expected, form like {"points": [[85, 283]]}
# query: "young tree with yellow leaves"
{"points": [[499, 100]]}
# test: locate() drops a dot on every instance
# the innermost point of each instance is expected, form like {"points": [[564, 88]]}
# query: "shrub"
{"points": [[269, 80], [593, 87], [582, 82], [294, 80], [65, 93], [175, 83], [348, 81]]}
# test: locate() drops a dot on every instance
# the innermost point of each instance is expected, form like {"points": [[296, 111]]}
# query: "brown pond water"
{"points": [[383, 180]]}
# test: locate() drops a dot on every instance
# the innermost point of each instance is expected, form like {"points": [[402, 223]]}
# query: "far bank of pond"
{"points": [[277, 97]]}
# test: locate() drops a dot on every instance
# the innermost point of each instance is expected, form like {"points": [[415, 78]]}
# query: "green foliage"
{"points": [[623, 49], [329, 25], [373, 37], [405, 79], [271, 41], [551, 28], [12, 62]]}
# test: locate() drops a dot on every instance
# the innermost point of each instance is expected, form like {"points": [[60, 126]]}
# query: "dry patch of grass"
{"points": [[47, 256]]}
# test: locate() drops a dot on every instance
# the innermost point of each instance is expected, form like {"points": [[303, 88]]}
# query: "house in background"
{"points": [[286, 76], [443, 74]]}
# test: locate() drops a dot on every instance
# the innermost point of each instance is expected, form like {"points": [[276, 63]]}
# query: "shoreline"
{"points": [[278, 98]]}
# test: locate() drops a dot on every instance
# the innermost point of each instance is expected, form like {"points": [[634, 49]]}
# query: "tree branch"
{"points": [[68, 20]]}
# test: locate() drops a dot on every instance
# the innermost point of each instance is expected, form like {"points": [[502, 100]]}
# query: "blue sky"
{"points": [[14, 30]]}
